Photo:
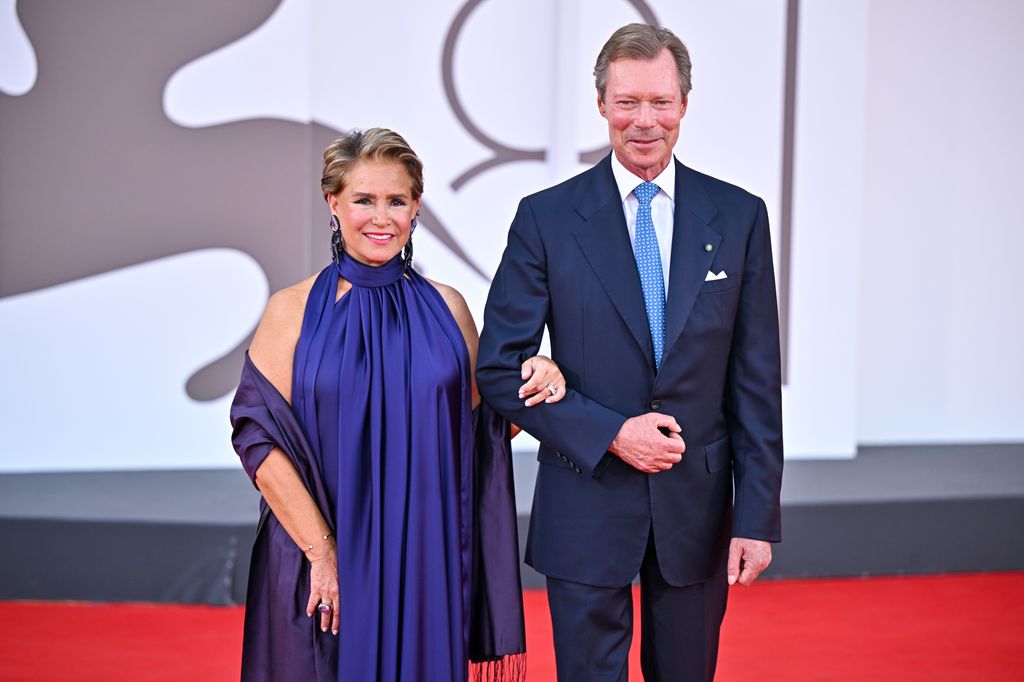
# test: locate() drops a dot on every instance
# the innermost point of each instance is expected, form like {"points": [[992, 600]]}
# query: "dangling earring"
{"points": [[337, 244], [407, 249], [407, 255]]}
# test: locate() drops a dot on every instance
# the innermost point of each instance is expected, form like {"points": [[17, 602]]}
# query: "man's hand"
{"points": [[641, 444], [754, 555]]}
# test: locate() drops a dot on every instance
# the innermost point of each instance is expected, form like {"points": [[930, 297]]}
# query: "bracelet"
{"points": [[310, 547]]}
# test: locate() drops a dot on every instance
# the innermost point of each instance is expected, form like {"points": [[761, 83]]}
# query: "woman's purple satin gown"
{"points": [[382, 432]]}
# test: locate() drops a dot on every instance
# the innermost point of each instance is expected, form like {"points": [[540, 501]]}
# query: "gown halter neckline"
{"points": [[369, 276]]}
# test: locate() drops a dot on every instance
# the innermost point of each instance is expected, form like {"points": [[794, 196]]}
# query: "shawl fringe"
{"points": [[510, 668]]}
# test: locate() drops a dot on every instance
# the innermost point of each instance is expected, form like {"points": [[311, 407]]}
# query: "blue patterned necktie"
{"points": [[648, 263]]}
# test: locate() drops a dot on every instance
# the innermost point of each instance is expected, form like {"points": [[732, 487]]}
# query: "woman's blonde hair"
{"points": [[375, 144]]}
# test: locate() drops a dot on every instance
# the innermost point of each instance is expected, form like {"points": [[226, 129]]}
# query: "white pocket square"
{"points": [[711, 277]]}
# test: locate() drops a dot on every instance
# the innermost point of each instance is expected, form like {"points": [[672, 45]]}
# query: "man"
{"points": [[656, 285]]}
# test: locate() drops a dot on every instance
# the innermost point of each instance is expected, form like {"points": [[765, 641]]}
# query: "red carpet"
{"points": [[934, 629]]}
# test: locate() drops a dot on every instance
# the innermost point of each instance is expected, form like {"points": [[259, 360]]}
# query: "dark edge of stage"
{"points": [[185, 536]]}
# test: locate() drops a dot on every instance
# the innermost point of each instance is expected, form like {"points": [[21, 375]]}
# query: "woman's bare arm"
{"points": [[272, 351], [460, 311], [539, 372]]}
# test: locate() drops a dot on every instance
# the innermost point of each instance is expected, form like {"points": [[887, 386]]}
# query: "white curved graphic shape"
{"points": [[265, 74], [94, 370], [18, 67]]}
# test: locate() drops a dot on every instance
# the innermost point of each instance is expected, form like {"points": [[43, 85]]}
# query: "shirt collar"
{"points": [[627, 182]]}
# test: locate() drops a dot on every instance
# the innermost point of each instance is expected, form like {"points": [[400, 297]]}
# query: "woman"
{"points": [[355, 420]]}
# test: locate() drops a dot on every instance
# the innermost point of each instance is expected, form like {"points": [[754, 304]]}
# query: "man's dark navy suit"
{"points": [[569, 265]]}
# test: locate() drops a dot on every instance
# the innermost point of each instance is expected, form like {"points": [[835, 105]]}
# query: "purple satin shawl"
{"points": [[417, 486]]}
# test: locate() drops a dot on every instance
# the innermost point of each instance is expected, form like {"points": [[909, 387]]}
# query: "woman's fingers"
{"points": [[545, 381], [314, 601], [550, 392], [532, 374], [327, 609], [323, 592], [531, 396], [559, 386], [325, 616]]}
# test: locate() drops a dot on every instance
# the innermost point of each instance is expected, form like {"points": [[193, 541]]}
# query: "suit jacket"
{"points": [[569, 265]]}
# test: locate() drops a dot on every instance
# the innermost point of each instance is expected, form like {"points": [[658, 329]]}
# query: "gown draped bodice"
{"points": [[381, 386]]}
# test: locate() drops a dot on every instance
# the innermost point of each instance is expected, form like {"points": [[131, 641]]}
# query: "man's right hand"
{"points": [[644, 447]]}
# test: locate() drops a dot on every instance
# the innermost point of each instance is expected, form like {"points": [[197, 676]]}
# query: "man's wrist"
{"points": [[615, 447]]}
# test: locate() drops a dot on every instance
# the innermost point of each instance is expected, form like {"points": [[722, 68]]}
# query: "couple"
{"points": [[388, 512]]}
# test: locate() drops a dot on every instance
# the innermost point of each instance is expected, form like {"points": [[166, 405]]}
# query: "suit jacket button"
{"points": [[655, 405]]}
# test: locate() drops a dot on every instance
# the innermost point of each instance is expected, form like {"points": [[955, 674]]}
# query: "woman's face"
{"points": [[375, 209]]}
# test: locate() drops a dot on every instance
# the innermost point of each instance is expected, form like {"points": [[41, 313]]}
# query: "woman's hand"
{"points": [[323, 585], [544, 381]]}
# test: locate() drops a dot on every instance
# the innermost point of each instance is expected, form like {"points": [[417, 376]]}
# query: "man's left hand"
{"points": [[747, 558]]}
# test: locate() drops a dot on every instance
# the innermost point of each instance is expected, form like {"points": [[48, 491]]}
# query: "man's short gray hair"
{"points": [[642, 41]]}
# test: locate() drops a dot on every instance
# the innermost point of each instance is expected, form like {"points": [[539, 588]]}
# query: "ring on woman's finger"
{"points": [[324, 608], [552, 390]]}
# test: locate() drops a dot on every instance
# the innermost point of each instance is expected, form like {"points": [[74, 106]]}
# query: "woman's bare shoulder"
{"points": [[456, 303], [273, 346], [467, 325], [460, 311]]}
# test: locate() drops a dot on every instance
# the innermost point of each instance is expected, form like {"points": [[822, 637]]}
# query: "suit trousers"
{"points": [[679, 627]]}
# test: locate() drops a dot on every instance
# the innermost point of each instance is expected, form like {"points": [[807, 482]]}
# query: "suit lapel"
{"points": [[604, 239], [691, 259]]}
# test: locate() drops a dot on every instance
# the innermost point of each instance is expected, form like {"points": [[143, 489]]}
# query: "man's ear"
{"points": [[600, 104], [682, 111]]}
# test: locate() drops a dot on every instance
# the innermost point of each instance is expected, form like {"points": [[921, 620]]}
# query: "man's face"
{"points": [[643, 106]]}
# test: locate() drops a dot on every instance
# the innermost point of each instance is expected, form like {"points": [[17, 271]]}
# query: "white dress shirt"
{"points": [[663, 207]]}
